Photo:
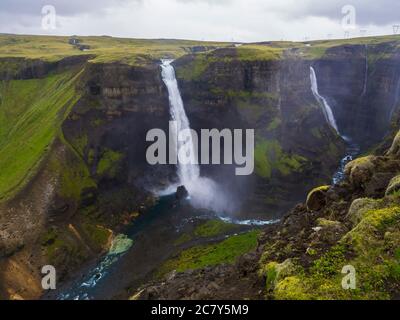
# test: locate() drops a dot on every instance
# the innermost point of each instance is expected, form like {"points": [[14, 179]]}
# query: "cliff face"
{"points": [[293, 141], [85, 177], [362, 85], [93, 178]]}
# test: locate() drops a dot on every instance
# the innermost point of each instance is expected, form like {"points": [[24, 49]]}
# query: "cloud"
{"points": [[382, 12], [63, 7], [226, 20]]}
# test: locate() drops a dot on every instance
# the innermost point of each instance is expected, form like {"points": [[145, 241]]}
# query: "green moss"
{"points": [[360, 207], [327, 223], [194, 70], [31, 113], [185, 238], [61, 248], [394, 186], [316, 190], [74, 175], [269, 156], [98, 235], [291, 288], [214, 228], [331, 263], [364, 236], [372, 247], [208, 255], [108, 164]]}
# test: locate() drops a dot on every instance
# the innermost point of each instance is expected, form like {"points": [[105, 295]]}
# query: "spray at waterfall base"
{"points": [[182, 149]]}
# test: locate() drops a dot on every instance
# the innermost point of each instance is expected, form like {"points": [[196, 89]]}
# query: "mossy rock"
{"points": [[366, 237], [395, 149], [275, 272], [316, 199], [360, 171], [359, 208], [394, 186], [291, 288]]}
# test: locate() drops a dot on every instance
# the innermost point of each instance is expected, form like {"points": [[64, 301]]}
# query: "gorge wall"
{"points": [[91, 179]]}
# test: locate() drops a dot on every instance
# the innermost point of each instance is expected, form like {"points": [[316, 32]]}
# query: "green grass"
{"points": [[31, 112], [105, 49], [208, 229], [198, 257], [254, 52], [98, 235], [214, 228]]}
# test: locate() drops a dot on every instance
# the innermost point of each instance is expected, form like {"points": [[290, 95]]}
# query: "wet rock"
{"points": [[181, 193]]}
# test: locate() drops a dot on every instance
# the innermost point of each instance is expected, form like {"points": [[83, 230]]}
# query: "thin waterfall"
{"points": [[187, 173], [366, 72], [326, 108]]}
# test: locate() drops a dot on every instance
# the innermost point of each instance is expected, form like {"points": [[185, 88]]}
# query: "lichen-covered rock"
{"points": [[316, 199], [359, 208], [360, 171], [395, 149], [394, 186]]}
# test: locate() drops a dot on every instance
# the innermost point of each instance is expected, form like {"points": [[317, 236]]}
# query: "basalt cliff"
{"points": [[74, 170]]}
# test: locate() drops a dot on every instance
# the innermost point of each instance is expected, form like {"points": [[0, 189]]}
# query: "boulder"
{"points": [[181, 193], [395, 149], [316, 199], [360, 171], [359, 208], [394, 186]]}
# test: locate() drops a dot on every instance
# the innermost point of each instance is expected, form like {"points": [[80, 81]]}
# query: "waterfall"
{"points": [[366, 72], [204, 193], [187, 173], [322, 101]]}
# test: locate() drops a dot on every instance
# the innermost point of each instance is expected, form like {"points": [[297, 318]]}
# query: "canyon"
{"points": [[83, 180]]}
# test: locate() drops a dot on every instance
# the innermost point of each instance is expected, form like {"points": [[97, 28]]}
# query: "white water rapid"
{"points": [[322, 101]]}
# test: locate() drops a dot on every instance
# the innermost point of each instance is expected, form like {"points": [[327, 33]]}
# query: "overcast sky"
{"points": [[227, 20]]}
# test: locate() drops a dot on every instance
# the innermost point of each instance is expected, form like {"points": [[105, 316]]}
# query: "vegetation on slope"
{"points": [[31, 113], [363, 235], [214, 254]]}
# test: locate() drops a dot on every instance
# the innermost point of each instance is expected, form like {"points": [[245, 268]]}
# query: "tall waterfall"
{"points": [[322, 101], [187, 173], [204, 192]]}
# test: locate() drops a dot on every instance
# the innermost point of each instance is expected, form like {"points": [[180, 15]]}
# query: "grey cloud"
{"points": [[374, 12], [63, 7]]}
